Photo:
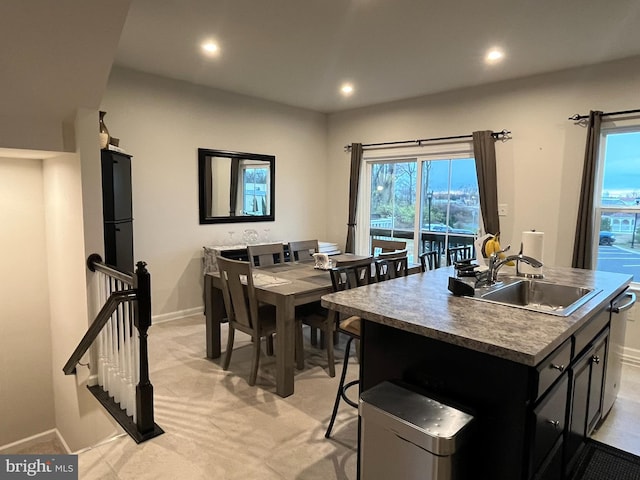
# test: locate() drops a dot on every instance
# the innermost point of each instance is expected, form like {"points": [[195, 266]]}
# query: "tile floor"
{"points": [[217, 427], [621, 428]]}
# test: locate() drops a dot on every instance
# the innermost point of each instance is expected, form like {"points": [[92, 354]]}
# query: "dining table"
{"points": [[284, 285]]}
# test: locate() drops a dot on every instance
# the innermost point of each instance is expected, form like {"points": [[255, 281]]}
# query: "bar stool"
{"points": [[343, 278]]}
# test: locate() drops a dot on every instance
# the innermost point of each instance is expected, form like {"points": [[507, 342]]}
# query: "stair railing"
{"points": [[122, 364]]}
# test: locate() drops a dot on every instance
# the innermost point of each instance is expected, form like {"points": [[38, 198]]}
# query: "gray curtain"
{"points": [[485, 152], [583, 242], [356, 162]]}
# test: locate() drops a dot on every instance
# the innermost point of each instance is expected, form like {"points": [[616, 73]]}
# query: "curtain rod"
{"points": [[503, 135], [623, 112]]}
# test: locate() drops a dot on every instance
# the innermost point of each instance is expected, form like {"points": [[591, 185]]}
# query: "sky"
{"points": [[622, 163]]}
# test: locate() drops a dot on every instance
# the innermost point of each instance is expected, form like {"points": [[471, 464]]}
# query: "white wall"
{"points": [[539, 170], [162, 123], [26, 399], [79, 417]]}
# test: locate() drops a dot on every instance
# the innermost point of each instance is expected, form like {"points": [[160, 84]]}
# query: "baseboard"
{"points": [[177, 315], [34, 440], [62, 441], [631, 356]]}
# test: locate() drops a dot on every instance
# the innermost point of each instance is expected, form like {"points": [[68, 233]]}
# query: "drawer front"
{"points": [[586, 334], [553, 366], [549, 422]]}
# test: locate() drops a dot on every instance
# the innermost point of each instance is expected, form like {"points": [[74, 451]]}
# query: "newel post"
{"points": [[142, 321]]}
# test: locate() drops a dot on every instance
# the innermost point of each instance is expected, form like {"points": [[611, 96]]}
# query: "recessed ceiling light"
{"points": [[494, 55], [346, 89], [210, 48]]}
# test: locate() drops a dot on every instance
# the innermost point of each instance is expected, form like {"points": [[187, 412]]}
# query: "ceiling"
{"points": [[299, 52], [56, 56]]}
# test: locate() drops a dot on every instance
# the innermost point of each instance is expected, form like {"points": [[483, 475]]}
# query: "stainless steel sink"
{"points": [[538, 296]]}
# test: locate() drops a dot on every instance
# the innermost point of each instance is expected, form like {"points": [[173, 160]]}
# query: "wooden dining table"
{"points": [[285, 285]]}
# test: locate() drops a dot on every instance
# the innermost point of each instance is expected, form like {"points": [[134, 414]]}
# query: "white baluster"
{"points": [[130, 400], [136, 368], [102, 295], [122, 375], [113, 365]]}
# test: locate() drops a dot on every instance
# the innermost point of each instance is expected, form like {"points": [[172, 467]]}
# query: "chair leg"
{"points": [[270, 345], [255, 361], [313, 336], [345, 363], [330, 355], [299, 346], [227, 355]]}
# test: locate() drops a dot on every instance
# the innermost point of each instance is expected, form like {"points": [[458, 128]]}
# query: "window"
{"points": [[254, 190], [618, 202], [429, 200]]}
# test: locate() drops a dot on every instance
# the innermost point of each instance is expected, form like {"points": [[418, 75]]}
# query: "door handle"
{"points": [[615, 308], [557, 367], [595, 359]]}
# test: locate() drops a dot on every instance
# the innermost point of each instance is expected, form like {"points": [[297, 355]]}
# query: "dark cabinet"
{"points": [[117, 209], [549, 421], [118, 245], [586, 397]]}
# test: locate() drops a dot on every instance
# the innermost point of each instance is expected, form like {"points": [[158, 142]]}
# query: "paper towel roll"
{"points": [[532, 246]]}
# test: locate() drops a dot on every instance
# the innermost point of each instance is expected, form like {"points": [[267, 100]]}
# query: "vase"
{"points": [[104, 131]]}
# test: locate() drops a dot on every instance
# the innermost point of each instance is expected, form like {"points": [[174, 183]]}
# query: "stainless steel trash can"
{"points": [[409, 436]]}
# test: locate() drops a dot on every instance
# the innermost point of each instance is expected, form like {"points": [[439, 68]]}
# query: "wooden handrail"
{"points": [[140, 425], [95, 264], [102, 318]]}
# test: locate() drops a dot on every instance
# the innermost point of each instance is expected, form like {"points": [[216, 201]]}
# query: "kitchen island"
{"points": [[520, 373]]}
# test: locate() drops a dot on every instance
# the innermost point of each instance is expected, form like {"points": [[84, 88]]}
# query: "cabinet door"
{"points": [[116, 186], [597, 362], [118, 245], [576, 432], [586, 397], [550, 417]]}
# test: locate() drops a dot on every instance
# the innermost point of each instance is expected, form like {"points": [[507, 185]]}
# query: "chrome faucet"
{"points": [[490, 276]]}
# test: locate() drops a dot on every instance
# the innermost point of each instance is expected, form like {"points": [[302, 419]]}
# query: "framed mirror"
{"points": [[235, 186]]}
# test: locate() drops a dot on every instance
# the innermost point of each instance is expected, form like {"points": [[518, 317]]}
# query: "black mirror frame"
{"points": [[203, 153]]}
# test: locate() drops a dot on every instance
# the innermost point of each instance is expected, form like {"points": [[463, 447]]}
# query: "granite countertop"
{"points": [[422, 304]]}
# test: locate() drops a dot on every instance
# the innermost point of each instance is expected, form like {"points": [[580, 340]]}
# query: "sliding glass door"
{"points": [[393, 201], [428, 201]]}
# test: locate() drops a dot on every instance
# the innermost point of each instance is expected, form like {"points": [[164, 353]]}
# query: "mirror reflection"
{"points": [[235, 186]]}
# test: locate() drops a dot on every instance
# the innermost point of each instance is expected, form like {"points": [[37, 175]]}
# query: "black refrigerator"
{"points": [[117, 210]]}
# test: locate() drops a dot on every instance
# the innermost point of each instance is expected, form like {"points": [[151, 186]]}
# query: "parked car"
{"points": [[607, 238]]}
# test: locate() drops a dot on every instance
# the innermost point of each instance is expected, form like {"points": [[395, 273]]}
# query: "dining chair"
{"points": [[266, 254], [303, 251], [386, 245], [354, 275], [391, 265], [244, 312], [429, 260], [458, 254], [318, 318]]}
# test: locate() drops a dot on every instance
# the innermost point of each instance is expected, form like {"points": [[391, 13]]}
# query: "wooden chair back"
{"points": [[386, 245], [239, 293], [267, 254], [303, 251], [392, 265], [429, 260], [355, 274], [458, 254]]}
